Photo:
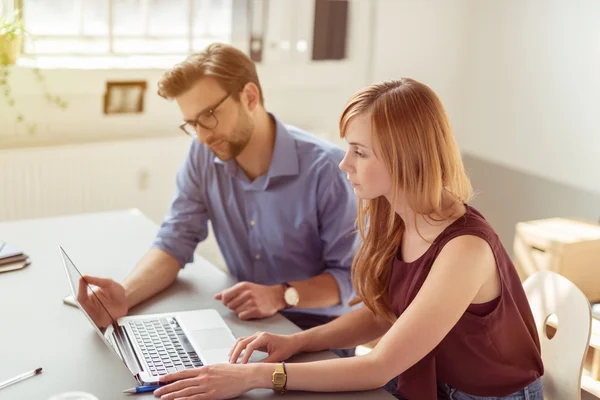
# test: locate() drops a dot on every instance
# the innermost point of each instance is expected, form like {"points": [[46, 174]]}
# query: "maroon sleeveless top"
{"points": [[494, 349]]}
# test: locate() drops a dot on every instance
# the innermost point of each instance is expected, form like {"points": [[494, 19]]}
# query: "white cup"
{"points": [[73, 396]]}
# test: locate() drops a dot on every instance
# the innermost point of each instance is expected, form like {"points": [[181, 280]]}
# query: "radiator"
{"points": [[71, 179]]}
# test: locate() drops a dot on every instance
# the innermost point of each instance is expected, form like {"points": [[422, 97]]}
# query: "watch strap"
{"points": [[280, 378], [285, 384]]}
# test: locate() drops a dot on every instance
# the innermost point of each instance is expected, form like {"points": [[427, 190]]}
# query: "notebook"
{"points": [[11, 258], [8, 251], [14, 266]]}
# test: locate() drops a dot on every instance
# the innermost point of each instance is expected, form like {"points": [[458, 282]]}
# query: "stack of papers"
{"points": [[11, 258]]}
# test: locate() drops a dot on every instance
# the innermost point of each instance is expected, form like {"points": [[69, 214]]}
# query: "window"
{"points": [[124, 27]]}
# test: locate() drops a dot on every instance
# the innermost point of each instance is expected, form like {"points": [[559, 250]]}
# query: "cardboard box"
{"points": [[569, 247]]}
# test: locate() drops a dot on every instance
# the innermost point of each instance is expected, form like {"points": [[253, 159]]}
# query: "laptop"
{"points": [[157, 344]]}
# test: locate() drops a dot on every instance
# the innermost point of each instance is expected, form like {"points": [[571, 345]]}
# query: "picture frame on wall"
{"points": [[124, 97]]}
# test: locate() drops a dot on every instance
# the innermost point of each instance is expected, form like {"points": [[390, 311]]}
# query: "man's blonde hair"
{"points": [[230, 67]]}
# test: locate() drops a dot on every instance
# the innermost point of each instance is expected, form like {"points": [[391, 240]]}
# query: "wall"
{"points": [[507, 196], [532, 88], [83, 120], [300, 92], [519, 79], [90, 177], [81, 178], [424, 40], [387, 39]]}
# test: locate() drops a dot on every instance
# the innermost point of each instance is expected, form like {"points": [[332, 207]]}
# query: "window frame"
{"points": [[111, 37]]}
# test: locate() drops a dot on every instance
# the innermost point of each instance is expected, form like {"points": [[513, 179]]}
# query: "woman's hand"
{"points": [[279, 347], [213, 382]]}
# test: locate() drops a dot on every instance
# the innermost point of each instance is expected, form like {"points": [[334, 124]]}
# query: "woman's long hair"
{"points": [[415, 141]]}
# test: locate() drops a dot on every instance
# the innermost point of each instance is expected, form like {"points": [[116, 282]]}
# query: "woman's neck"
{"points": [[421, 230], [429, 226]]}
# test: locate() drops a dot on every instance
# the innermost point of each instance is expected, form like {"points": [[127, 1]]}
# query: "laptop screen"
{"points": [[74, 277], [107, 334]]}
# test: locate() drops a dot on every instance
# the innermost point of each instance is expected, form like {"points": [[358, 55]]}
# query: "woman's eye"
{"points": [[358, 153]]}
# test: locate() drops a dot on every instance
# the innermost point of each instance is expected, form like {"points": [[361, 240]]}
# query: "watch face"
{"points": [[279, 378], [291, 296]]}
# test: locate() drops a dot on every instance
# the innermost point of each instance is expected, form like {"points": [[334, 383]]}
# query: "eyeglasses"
{"points": [[206, 119]]}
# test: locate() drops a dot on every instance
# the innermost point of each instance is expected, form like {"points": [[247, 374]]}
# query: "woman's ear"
{"points": [[252, 95]]}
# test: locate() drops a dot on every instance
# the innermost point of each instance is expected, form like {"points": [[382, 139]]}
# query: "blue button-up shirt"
{"points": [[292, 223]]}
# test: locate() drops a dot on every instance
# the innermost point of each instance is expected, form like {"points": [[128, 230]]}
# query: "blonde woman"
{"points": [[432, 274]]}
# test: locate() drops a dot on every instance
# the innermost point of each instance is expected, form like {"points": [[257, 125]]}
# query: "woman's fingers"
{"points": [[239, 347], [192, 388], [251, 347]]}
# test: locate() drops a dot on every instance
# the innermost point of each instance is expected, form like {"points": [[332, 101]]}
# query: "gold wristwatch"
{"points": [[279, 378]]}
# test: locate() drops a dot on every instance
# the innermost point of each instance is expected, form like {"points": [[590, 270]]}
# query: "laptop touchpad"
{"points": [[217, 338]]}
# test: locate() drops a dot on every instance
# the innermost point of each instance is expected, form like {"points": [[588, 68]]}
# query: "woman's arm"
{"points": [[457, 275], [463, 266], [337, 375], [357, 327]]}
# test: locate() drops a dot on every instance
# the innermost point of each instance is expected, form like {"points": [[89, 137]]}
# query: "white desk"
{"points": [[38, 330]]}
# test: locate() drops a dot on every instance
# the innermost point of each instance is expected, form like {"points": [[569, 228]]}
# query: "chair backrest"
{"points": [[556, 301]]}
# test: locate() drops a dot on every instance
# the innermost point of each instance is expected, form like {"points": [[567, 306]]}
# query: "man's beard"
{"points": [[232, 147]]}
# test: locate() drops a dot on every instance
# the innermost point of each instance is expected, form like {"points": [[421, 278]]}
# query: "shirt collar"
{"points": [[285, 155]]}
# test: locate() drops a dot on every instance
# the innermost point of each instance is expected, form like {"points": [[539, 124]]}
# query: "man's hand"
{"points": [[252, 301], [108, 295]]}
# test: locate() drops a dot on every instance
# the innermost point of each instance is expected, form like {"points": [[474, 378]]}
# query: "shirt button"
{"points": [[252, 223], [257, 256]]}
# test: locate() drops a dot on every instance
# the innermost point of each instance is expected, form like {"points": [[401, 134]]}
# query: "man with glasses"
{"points": [[282, 211]]}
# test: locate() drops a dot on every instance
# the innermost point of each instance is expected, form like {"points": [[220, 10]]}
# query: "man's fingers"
{"points": [[82, 292], [232, 292], [96, 281], [239, 300], [247, 306], [251, 313], [228, 294], [219, 296]]}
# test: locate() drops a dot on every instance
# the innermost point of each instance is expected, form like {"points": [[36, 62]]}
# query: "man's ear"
{"points": [[252, 95]]}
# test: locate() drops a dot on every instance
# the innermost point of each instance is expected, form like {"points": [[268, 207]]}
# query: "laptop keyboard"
{"points": [[164, 346]]}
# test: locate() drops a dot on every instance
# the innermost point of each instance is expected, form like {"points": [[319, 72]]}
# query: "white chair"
{"points": [[559, 307]]}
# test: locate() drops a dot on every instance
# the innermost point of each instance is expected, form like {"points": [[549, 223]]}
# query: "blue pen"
{"points": [[142, 389]]}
